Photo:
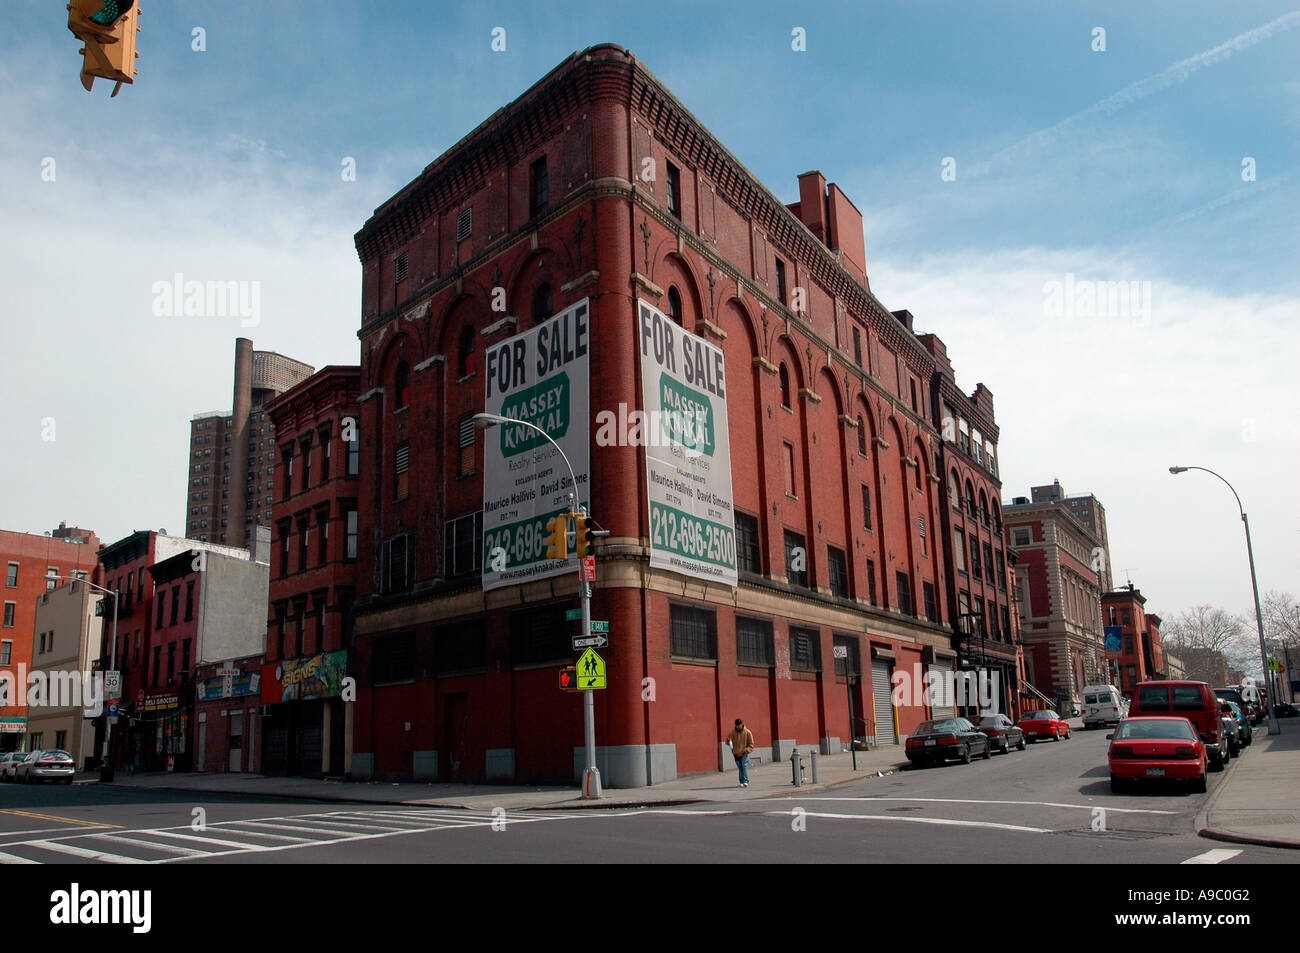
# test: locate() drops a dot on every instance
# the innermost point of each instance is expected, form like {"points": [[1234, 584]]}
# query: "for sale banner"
{"points": [[542, 377], [688, 450]]}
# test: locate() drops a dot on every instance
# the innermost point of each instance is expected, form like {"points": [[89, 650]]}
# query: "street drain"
{"points": [[1114, 835]]}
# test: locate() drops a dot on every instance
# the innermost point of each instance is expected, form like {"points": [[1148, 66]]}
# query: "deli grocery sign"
{"points": [[688, 468], [541, 376]]}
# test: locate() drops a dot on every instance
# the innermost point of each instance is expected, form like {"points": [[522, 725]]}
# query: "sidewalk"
{"points": [[767, 780], [1258, 802]]}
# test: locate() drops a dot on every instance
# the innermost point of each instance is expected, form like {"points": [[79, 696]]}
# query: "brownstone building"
{"points": [[597, 211], [1140, 655], [1059, 599], [308, 724]]}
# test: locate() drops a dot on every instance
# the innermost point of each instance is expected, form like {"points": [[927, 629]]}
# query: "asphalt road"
{"points": [[1050, 803]]}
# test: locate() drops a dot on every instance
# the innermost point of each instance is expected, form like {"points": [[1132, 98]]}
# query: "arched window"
{"points": [[970, 499], [542, 305], [997, 518], [954, 495], [675, 305], [784, 375], [862, 437], [984, 508], [465, 352], [916, 471], [402, 386]]}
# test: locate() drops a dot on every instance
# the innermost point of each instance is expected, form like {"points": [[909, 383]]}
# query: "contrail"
{"points": [[1143, 88]]}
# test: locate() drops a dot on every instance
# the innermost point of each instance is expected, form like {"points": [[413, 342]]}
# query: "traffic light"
{"points": [[108, 28], [557, 540], [581, 535], [569, 678]]}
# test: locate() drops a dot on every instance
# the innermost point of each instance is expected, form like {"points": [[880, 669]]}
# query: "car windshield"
{"points": [[937, 727], [1144, 728], [56, 753]]}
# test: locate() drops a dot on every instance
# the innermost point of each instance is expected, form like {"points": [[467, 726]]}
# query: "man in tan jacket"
{"points": [[742, 743]]}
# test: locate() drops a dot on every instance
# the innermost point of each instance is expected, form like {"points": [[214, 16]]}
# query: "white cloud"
{"points": [[1108, 403]]}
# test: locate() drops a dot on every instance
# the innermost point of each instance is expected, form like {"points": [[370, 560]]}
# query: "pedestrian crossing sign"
{"points": [[591, 670]]}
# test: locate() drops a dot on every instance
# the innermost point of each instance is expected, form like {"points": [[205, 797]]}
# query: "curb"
{"points": [[291, 797], [1201, 824]]}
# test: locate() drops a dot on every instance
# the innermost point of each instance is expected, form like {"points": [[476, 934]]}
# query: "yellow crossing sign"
{"points": [[591, 670]]}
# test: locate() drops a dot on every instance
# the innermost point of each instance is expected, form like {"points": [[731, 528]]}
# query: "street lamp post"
{"points": [[591, 777], [1273, 727], [105, 769]]}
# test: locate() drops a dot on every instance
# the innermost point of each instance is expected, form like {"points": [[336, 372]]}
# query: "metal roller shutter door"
{"points": [[944, 701], [882, 703]]}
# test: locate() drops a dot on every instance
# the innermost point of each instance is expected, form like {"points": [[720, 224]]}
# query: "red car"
{"points": [[1040, 725], [1157, 748]]}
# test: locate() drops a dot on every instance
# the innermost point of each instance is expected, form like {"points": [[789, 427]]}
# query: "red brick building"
{"points": [[1140, 656], [308, 724], [979, 590], [227, 703], [27, 559], [1059, 599], [597, 187]]}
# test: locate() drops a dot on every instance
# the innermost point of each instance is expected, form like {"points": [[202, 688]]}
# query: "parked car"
{"points": [[1245, 732], [50, 764], [1102, 705], [8, 762], [1156, 748], [945, 739], [1231, 736], [1004, 734], [1235, 693], [1254, 701], [1193, 701], [1285, 711], [1046, 723]]}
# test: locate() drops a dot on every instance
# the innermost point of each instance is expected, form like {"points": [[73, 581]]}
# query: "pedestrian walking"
{"points": [[742, 743]]}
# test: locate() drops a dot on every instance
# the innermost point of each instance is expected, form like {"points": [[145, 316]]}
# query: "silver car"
{"points": [[50, 764], [9, 761]]}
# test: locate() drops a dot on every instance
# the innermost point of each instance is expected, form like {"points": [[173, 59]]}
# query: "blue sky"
{"points": [[1122, 165]]}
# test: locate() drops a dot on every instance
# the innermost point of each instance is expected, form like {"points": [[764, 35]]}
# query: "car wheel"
{"points": [[68, 781], [1067, 736], [1216, 764], [1057, 736], [1006, 747], [1199, 785], [1021, 746], [1116, 785], [965, 754], [988, 750]]}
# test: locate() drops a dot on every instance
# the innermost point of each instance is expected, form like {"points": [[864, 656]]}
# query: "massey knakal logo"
{"points": [[545, 405], [75, 906], [53, 689]]}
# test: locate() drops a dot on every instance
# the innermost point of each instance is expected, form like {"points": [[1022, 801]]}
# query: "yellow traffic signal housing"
{"points": [[581, 535], [110, 51], [557, 541]]}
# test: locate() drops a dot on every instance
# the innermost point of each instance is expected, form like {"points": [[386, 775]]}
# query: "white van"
{"points": [[1102, 705]]}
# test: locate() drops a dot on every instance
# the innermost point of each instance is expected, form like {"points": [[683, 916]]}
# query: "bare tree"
{"points": [[1208, 639], [1281, 613]]}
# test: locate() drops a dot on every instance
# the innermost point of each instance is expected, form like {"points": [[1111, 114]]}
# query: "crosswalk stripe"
{"points": [[59, 847], [296, 827], [148, 844], [1216, 856], [15, 859], [342, 827], [209, 840], [235, 830]]}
